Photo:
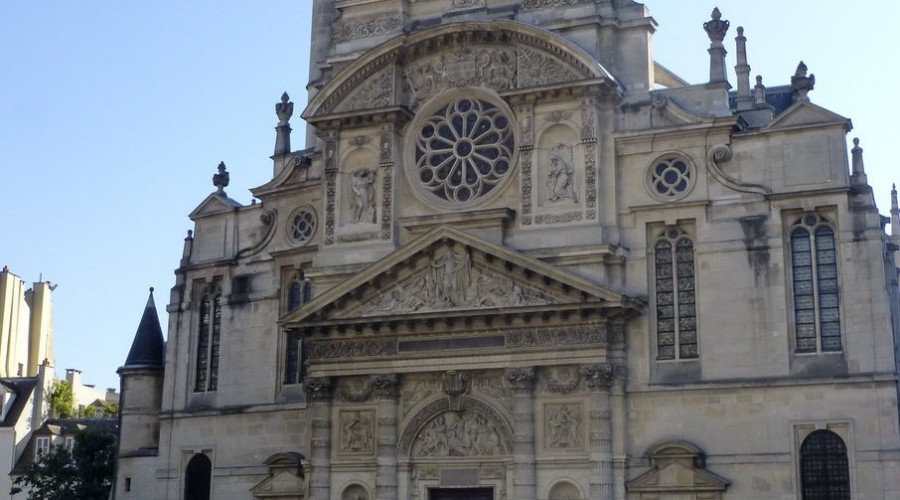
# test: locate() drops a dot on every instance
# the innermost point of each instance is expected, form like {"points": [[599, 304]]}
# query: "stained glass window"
{"points": [[293, 363], [208, 340], [676, 307], [824, 467], [817, 317]]}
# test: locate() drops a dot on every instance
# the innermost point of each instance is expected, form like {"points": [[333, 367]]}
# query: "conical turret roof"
{"points": [[147, 350]]}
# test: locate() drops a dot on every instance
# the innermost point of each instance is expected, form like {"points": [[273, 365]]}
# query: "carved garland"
{"points": [[589, 141], [330, 185], [526, 154]]}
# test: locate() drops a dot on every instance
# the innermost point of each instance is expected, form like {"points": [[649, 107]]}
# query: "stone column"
{"points": [[598, 378], [524, 482], [318, 392], [387, 399]]}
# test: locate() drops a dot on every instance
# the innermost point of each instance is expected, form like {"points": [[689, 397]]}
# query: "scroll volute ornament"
{"points": [[598, 375], [521, 379], [318, 388]]}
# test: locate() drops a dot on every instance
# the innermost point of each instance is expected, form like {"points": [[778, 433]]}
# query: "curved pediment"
{"points": [[498, 55]]}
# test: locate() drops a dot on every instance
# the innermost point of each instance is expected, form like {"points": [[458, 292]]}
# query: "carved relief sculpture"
{"points": [[452, 282], [466, 66], [363, 201], [561, 177], [457, 434], [563, 423], [357, 431]]}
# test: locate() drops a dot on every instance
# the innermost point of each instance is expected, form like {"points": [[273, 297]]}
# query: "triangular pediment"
{"points": [[214, 204], [805, 114], [280, 484], [677, 468], [448, 271]]}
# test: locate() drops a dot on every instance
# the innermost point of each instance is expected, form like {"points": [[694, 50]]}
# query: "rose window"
{"points": [[302, 225], [463, 150], [670, 178]]}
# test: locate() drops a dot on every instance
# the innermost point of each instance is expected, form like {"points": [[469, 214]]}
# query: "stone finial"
{"points": [[716, 28], [801, 83], [759, 92], [858, 169], [284, 109], [895, 213], [742, 70], [188, 248], [221, 179]]}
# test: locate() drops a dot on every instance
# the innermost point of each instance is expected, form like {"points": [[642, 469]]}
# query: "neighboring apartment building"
{"points": [[519, 259], [26, 369]]}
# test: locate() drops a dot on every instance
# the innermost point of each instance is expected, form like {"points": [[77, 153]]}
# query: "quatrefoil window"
{"points": [[463, 150], [670, 177]]}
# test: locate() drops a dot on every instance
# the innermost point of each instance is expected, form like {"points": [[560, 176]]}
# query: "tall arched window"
{"points": [[197, 478], [676, 307], [208, 340], [817, 316], [299, 292], [824, 467]]}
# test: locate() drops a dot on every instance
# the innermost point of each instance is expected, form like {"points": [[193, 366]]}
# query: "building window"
{"points": [[302, 225], [676, 308], [197, 477], [824, 467], [670, 178], [299, 292], [41, 447], [461, 149], [208, 339], [70, 443], [294, 359], [817, 317], [127, 484]]}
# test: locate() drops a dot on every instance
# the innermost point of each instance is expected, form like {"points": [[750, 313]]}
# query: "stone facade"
{"points": [[520, 260]]}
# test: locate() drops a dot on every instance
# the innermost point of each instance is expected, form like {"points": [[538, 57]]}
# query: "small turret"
{"points": [[141, 376]]}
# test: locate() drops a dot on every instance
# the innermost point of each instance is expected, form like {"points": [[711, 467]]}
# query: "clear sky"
{"points": [[114, 115]]}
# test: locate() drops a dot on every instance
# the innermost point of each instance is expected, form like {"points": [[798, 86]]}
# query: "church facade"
{"points": [[519, 259]]}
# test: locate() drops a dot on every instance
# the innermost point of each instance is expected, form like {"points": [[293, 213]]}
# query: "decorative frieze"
{"points": [[346, 31], [551, 337], [338, 349], [545, 4]]}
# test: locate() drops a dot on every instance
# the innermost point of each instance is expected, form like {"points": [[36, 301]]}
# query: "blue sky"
{"points": [[114, 115]]}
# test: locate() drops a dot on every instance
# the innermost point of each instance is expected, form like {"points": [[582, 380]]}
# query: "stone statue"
{"points": [[363, 196], [560, 178], [221, 179]]}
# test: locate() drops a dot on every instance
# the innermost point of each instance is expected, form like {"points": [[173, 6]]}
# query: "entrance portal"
{"points": [[461, 494]]}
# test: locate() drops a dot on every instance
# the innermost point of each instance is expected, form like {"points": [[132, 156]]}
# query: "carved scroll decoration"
{"points": [[538, 69], [365, 28], [722, 153], [376, 92]]}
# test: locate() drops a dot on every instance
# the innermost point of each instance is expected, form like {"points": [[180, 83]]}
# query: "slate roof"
{"points": [[780, 98], [22, 387], [147, 350]]}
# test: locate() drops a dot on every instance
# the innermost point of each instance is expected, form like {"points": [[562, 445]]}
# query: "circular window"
{"points": [[302, 225], [670, 177], [462, 150]]}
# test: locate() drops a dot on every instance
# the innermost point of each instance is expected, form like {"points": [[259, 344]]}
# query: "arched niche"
{"points": [[564, 490], [559, 171], [500, 55], [473, 428]]}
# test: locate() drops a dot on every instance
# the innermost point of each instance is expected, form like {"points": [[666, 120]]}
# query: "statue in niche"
{"points": [[356, 432], [561, 177], [563, 428], [363, 202]]}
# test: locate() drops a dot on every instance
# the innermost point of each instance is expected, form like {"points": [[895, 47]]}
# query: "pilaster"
{"points": [[522, 382], [318, 391], [598, 378], [387, 398]]}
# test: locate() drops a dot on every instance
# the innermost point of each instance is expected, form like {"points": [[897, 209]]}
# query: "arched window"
{"points": [[208, 340], [197, 477], [817, 316], [299, 292], [824, 468], [294, 359], [676, 307]]}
